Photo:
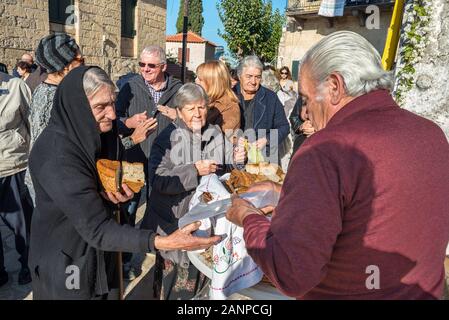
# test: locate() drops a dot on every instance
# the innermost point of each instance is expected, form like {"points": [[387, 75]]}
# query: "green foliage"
{"points": [[413, 44], [196, 20], [251, 27]]}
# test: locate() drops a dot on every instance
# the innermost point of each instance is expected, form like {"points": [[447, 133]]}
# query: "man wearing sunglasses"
{"points": [[139, 99]]}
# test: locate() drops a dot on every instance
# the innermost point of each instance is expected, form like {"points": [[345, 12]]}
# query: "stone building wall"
{"points": [[301, 36], [97, 30], [22, 24], [429, 95]]}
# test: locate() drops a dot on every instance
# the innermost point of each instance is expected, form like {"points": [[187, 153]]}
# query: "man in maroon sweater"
{"points": [[364, 210]]}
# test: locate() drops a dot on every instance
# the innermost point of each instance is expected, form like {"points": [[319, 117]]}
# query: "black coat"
{"points": [[296, 122], [72, 224], [268, 113], [134, 98]]}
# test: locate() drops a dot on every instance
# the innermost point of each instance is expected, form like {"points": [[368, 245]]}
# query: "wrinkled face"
{"points": [[194, 115], [315, 100], [250, 80], [151, 68], [102, 104]]}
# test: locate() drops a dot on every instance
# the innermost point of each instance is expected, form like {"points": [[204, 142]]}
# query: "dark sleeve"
{"points": [[166, 177], [295, 116], [294, 249], [122, 106], [280, 121], [73, 190]]}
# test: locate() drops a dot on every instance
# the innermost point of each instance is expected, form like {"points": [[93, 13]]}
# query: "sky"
{"points": [[211, 19]]}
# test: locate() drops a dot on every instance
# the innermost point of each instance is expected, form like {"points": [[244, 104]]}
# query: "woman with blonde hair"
{"points": [[224, 109]]}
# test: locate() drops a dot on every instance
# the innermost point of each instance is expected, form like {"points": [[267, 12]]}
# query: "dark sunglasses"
{"points": [[284, 72], [150, 65]]}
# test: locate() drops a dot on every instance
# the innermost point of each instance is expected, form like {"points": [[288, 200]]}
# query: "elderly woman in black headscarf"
{"points": [[73, 233]]}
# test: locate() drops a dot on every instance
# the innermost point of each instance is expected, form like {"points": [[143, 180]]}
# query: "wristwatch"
{"points": [[128, 143]]}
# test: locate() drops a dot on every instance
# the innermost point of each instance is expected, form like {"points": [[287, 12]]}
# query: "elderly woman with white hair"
{"points": [[363, 210], [185, 151], [261, 110]]}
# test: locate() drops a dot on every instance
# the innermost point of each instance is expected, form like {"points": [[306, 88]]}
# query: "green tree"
{"points": [[196, 20], [251, 27]]}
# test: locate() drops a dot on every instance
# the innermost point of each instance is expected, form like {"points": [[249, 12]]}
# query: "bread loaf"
{"points": [[132, 175]]}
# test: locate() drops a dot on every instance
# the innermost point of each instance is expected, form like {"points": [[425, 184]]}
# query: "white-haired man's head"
{"points": [[153, 64], [338, 69]]}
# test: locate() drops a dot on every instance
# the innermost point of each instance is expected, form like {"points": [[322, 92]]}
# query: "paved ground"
{"points": [[139, 289]]}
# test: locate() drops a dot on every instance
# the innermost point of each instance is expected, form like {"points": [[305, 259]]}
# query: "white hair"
{"points": [[155, 51], [270, 81], [190, 93], [249, 62], [351, 56], [94, 79]]}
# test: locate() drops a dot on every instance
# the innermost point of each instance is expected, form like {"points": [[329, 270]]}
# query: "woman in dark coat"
{"points": [[73, 231]]}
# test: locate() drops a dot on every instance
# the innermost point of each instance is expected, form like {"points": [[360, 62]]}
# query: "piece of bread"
{"points": [[132, 175], [268, 169], [252, 168]]}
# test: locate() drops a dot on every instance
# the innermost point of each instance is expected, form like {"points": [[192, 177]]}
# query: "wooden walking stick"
{"points": [[119, 254]]}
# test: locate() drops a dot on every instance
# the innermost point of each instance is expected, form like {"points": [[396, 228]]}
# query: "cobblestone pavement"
{"points": [[138, 289]]}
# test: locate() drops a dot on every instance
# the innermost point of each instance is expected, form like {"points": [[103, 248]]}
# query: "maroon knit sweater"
{"points": [[368, 192]]}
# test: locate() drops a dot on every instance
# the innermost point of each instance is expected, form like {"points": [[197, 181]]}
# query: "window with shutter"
{"points": [[59, 11], [180, 55], [295, 70], [128, 18]]}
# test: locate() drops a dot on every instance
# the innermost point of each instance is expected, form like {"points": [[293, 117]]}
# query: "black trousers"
{"points": [[15, 211]]}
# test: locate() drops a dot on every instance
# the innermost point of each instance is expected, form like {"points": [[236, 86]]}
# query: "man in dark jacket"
{"points": [[139, 99], [260, 107]]}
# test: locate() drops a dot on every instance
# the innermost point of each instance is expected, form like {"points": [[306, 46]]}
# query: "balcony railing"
{"points": [[305, 7]]}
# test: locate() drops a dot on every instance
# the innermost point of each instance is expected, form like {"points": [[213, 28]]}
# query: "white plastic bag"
{"points": [[233, 269]]}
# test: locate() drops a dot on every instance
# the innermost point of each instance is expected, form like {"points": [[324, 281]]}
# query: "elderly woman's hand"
{"points": [[168, 112], [240, 210], [206, 167], [135, 120], [143, 130], [119, 197], [240, 154], [182, 239]]}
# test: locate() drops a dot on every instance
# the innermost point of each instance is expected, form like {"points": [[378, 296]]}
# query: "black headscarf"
{"points": [[72, 115]]}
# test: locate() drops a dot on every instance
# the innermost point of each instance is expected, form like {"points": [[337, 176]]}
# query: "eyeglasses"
{"points": [[284, 73], [150, 65]]}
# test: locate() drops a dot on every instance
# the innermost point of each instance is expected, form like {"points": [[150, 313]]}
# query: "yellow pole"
{"points": [[391, 44]]}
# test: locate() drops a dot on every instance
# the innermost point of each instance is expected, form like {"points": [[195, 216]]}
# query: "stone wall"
{"points": [[429, 95], [296, 41], [97, 31], [22, 24]]}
